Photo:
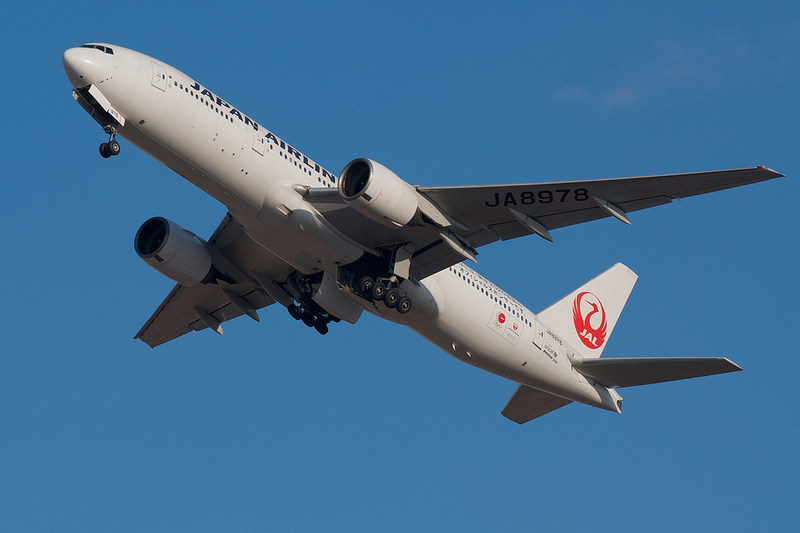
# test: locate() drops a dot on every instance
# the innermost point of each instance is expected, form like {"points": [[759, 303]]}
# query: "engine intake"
{"points": [[173, 251], [378, 193]]}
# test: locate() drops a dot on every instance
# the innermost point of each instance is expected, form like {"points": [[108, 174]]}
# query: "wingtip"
{"points": [[735, 367], [775, 172]]}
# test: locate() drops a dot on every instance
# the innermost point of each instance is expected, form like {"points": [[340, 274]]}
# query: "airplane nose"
{"points": [[73, 60]]}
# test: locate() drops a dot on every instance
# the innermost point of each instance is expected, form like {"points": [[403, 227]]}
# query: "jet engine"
{"points": [[378, 193], [173, 251]]}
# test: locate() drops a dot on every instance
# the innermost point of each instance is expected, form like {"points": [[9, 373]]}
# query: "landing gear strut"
{"points": [[112, 146]]}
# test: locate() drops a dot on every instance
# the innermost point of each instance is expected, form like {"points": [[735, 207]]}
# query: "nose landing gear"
{"points": [[112, 146]]}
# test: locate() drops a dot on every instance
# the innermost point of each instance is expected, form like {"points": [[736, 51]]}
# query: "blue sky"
{"points": [[273, 427]]}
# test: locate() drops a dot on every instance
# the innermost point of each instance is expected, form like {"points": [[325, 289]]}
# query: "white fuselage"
{"points": [[255, 174]]}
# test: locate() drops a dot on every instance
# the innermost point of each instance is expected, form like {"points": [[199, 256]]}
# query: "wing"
{"points": [[557, 204], [457, 220], [234, 293], [198, 307]]}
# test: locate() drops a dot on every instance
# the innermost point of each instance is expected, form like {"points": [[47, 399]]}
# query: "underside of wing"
{"points": [[455, 221], [198, 307], [557, 204], [528, 403], [242, 269]]}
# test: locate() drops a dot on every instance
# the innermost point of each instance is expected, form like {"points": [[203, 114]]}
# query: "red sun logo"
{"points": [[590, 320], [501, 318]]}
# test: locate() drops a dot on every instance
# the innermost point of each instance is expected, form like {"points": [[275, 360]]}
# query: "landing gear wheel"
{"points": [[391, 298], [365, 284], [378, 290], [295, 311], [105, 151], [404, 305], [113, 147], [321, 327], [308, 320]]}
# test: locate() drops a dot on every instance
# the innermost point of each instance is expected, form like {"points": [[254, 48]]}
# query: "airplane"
{"points": [[330, 247]]}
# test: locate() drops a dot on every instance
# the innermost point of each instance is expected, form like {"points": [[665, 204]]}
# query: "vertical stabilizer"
{"points": [[586, 317]]}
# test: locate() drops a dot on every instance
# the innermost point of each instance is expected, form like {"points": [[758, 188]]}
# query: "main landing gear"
{"points": [[393, 297], [312, 315], [372, 281], [112, 146]]}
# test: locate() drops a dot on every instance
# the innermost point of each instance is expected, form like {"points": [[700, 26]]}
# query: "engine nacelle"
{"points": [[173, 251], [378, 193]]}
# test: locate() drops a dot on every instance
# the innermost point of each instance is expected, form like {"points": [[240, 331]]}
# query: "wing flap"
{"points": [[630, 372], [528, 403]]}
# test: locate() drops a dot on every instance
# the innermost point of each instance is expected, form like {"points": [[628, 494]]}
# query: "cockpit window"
{"points": [[106, 49]]}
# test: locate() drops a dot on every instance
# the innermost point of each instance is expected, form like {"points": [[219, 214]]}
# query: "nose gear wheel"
{"points": [[111, 148]]}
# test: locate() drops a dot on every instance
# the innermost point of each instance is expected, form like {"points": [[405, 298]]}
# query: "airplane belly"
{"points": [[300, 237], [481, 332]]}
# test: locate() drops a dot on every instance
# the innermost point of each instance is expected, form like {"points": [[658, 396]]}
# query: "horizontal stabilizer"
{"points": [[630, 372], [529, 403]]}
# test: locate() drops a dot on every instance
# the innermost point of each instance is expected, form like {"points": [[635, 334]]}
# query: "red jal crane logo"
{"points": [[590, 320]]}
